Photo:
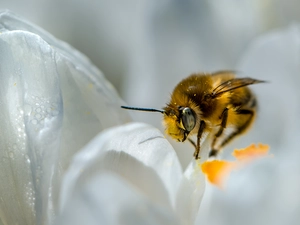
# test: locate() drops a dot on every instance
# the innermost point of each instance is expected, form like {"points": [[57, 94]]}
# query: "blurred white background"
{"points": [[145, 47]]}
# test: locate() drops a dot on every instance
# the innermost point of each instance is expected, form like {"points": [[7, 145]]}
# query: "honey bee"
{"points": [[214, 102]]}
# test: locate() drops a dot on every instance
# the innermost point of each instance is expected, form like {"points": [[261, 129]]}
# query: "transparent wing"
{"points": [[233, 84]]}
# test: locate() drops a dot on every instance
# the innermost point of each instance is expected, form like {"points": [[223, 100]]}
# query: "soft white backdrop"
{"points": [[145, 47]]}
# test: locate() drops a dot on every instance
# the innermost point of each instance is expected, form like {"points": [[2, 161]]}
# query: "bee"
{"points": [[215, 102]]}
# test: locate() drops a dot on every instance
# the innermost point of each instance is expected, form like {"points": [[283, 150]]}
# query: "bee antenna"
{"points": [[143, 109]]}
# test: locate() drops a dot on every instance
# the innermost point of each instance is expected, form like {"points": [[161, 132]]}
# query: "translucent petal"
{"points": [[137, 152], [53, 101], [105, 198], [192, 186]]}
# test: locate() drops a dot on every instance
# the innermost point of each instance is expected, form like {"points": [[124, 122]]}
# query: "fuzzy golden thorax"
{"points": [[187, 94]]}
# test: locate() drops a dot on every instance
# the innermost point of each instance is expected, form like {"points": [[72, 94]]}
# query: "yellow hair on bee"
{"points": [[206, 102]]}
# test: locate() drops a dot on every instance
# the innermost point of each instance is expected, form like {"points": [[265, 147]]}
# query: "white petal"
{"points": [[53, 101], [137, 152], [105, 198], [192, 185]]}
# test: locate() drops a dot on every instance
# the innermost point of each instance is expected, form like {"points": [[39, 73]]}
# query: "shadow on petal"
{"points": [[106, 198], [142, 177]]}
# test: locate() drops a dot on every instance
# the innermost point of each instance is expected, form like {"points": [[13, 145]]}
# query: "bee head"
{"points": [[179, 122]]}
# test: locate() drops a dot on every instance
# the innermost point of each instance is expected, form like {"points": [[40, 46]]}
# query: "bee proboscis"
{"points": [[211, 102]]}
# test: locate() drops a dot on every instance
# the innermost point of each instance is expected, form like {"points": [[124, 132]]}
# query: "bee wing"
{"points": [[233, 84]]}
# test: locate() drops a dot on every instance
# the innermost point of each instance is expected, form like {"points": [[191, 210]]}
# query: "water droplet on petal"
{"points": [[34, 121], [38, 116], [38, 110]]}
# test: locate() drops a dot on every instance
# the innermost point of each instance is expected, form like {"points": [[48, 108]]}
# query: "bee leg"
{"points": [[200, 131], [213, 153], [192, 142], [242, 127], [224, 117]]}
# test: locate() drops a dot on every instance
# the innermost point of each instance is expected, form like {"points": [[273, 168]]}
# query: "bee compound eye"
{"points": [[188, 119]]}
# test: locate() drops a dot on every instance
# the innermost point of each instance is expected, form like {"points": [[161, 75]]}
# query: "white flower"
{"points": [[53, 102], [145, 184]]}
